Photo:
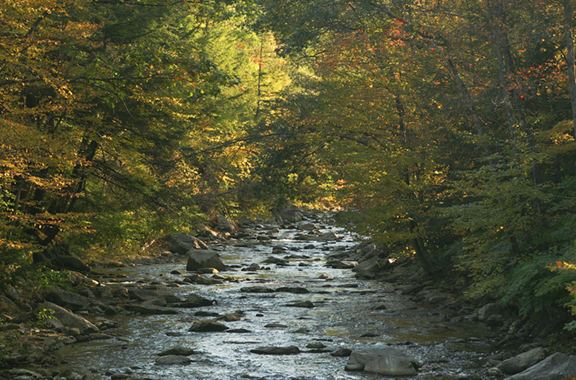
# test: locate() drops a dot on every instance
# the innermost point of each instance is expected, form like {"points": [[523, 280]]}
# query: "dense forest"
{"points": [[444, 128]]}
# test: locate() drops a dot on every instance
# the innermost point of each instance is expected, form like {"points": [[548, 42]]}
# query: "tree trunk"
{"points": [[569, 36]]}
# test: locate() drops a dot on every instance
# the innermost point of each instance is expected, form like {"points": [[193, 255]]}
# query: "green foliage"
{"points": [[41, 279]]}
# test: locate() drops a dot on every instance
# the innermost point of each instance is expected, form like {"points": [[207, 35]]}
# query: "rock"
{"points": [[369, 268], [494, 372], [178, 350], [328, 236], [182, 243], [226, 225], [306, 304], [69, 319], [20, 373], [487, 311], [342, 352], [557, 366], [308, 227], [276, 260], [77, 372], [207, 231], [275, 326], [155, 302], [295, 290], [339, 264], [278, 249], [291, 215], [520, 362], [289, 350], [150, 309], [14, 294], [208, 271], [208, 326], [257, 289], [194, 300], [100, 336], [142, 294], [70, 262], [202, 280], [252, 268], [381, 360], [238, 331], [173, 360], [204, 259], [316, 345]]}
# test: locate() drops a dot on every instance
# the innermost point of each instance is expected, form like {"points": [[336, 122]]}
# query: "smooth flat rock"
{"points": [[150, 309], [289, 350], [72, 301], [385, 361], [69, 319], [178, 350], [557, 366], [523, 361], [257, 289], [305, 304], [173, 360], [295, 290]]}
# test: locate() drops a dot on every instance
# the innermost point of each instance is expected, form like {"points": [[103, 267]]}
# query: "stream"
{"points": [[346, 313]]}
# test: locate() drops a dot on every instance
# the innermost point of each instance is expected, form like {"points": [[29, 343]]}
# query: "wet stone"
{"points": [[341, 352], [257, 289], [178, 350], [208, 326], [238, 331], [173, 360], [289, 350], [276, 326], [304, 304]]}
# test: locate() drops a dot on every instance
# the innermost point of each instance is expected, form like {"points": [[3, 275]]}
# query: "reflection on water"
{"points": [[343, 316]]}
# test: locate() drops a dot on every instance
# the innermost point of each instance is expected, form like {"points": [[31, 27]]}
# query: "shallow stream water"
{"points": [[347, 313]]}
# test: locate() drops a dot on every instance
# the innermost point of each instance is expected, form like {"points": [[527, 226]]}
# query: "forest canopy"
{"points": [[446, 129]]}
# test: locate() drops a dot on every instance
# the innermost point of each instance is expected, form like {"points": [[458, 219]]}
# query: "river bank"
{"points": [[283, 286]]}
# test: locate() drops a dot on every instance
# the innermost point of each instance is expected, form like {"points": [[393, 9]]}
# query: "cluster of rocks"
{"points": [[63, 312]]}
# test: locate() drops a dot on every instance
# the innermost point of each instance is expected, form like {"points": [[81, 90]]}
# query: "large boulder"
{"points": [[523, 361], [489, 311], [70, 262], [142, 294], [385, 361], [182, 243], [72, 301], [226, 225], [67, 318], [291, 214], [369, 268], [557, 366], [204, 259]]}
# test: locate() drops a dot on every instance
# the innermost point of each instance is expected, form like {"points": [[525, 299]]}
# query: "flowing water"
{"points": [[347, 313]]}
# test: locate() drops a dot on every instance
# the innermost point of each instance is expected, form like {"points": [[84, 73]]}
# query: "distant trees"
{"points": [[450, 127]]}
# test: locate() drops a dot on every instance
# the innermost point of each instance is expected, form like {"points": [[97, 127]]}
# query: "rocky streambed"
{"points": [[273, 303]]}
